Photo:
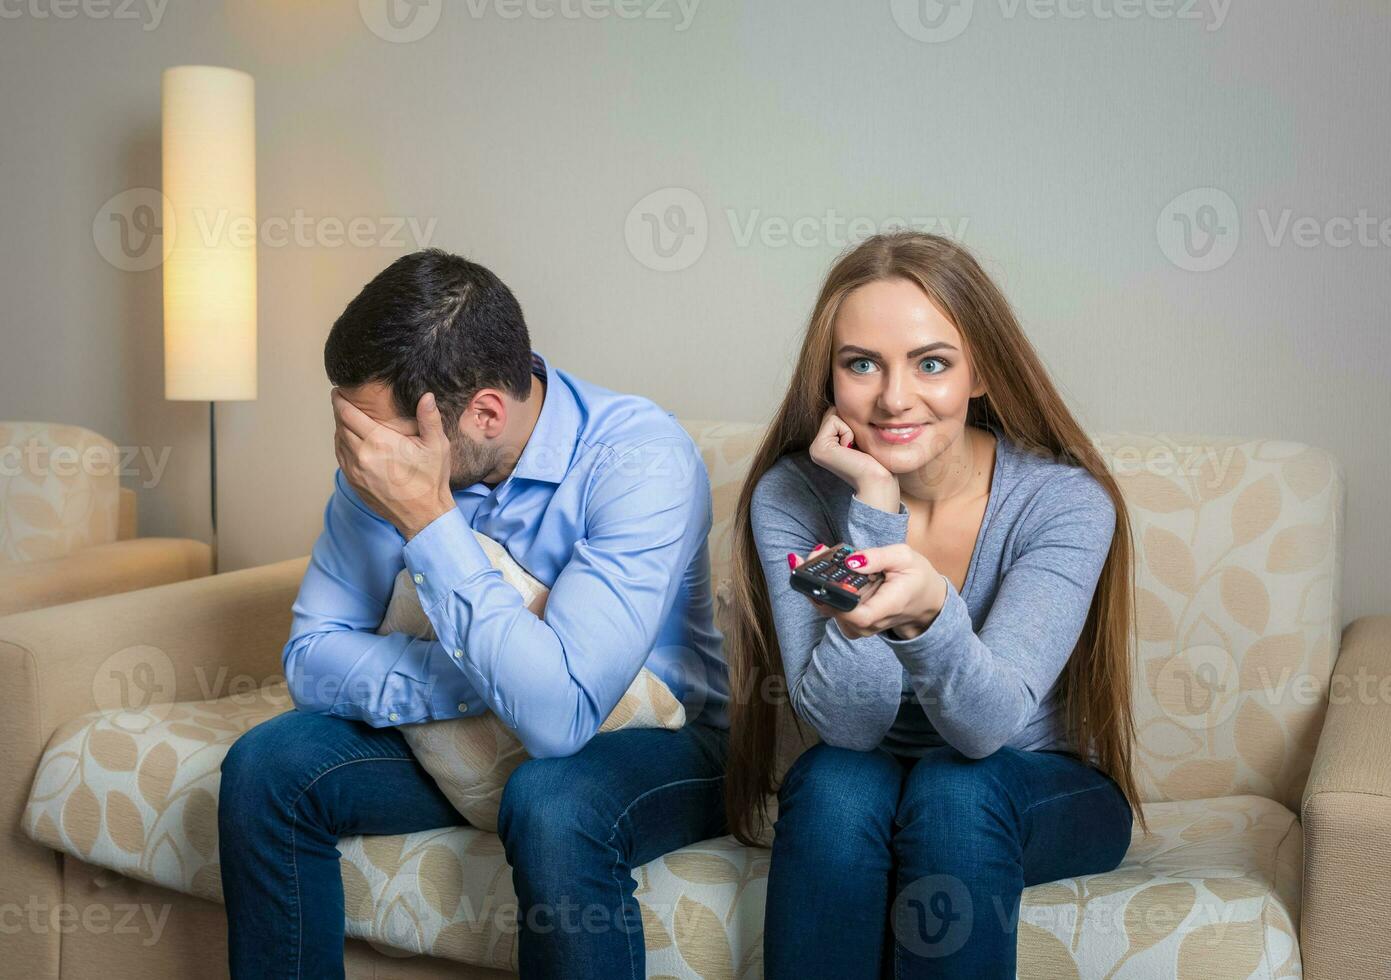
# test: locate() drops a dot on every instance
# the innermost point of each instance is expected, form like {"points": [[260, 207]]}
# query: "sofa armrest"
{"points": [[201, 638], [127, 515], [1346, 815], [120, 566], [196, 637]]}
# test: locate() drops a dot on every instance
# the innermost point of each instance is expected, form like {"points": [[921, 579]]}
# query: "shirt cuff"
{"points": [[454, 696], [430, 688], [445, 698], [945, 633], [871, 527], [444, 556]]}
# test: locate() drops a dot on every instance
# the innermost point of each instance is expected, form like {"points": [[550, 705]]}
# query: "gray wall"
{"points": [[1051, 138]]}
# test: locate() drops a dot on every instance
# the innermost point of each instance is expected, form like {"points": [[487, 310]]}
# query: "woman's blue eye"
{"points": [[864, 365]]}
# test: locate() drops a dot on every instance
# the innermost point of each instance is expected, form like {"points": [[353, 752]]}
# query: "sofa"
{"points": [[1260, 755], [67, 526]]}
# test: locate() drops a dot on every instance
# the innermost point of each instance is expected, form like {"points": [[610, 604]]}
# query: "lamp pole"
{"points": [[212, 478]]}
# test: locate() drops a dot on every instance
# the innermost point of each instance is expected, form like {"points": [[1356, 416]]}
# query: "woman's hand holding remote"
{"points": [[905, 600]]}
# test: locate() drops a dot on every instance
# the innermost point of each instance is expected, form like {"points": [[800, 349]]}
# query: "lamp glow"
{"points": [[209, 161]]}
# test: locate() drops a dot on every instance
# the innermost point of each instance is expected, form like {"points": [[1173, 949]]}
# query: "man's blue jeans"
{"points": [[572, 828], [901, 867]]}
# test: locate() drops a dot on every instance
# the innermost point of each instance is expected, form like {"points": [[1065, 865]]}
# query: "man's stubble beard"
{"points": [[469, 463]]}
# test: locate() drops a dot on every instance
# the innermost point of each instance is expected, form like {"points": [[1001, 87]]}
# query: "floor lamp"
{"points": [[209, 156]]}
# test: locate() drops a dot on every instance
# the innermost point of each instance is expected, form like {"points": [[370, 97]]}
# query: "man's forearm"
{"points": [[389, 679]]}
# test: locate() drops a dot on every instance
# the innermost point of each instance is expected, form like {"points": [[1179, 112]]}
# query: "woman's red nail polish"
{"points": [[855, 561], [819, 546], [791, 560]]}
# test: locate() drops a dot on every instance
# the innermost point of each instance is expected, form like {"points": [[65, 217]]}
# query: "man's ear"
{"points": [[485, 415]]}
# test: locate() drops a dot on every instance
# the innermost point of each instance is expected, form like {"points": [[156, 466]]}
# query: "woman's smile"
{"points": [[897, 435]]}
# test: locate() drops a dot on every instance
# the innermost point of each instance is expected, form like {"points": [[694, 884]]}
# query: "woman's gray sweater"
{"points": [[983, 674]]}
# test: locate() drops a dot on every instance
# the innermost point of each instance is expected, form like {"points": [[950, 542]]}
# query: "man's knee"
{"points": [[265, 766], [549, 811]]}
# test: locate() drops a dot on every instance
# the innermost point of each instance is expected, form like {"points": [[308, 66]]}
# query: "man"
{"points": [[447, 421]]}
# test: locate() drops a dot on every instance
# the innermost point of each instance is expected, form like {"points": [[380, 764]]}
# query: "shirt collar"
{"points": [[551, 446]]}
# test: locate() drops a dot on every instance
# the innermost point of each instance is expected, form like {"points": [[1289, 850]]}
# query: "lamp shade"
{"points": [[209, 155]]}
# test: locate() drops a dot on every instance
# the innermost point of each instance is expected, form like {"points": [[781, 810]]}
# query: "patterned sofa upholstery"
{"points": [[1238, 633], [67, 526]]}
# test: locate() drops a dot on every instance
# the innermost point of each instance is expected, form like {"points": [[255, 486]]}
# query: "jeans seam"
{"points": [[613, 870], [1061, 796], [294, 862]]}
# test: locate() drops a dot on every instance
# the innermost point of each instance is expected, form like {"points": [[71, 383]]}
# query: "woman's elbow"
{"points": [[980, 744], [986, 734], [977, 748], [854, 741], [860, 728], [857, 735]]}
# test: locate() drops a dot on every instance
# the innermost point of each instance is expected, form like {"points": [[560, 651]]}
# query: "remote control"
{"points": [[826, 578]]}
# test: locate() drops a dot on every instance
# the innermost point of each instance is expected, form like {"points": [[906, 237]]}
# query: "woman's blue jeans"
{"points": [[573, 829], [900, 867]]}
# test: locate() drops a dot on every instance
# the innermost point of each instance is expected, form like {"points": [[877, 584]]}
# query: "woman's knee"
{"points": [[834, 797], [955, 807]]}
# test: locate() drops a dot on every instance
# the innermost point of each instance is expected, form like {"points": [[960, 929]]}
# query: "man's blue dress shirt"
{"points": [[608, 505]]}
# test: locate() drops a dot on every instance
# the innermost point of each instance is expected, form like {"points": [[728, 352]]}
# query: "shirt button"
{"points": [[393, 716], [458, 653], [463, 708], [418, 578]]}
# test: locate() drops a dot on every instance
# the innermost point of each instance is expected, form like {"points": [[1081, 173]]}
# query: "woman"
{"points": [[922, 429]]}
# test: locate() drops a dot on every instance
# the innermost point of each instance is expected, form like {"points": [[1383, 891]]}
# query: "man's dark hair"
{"points": [[432, 321]]}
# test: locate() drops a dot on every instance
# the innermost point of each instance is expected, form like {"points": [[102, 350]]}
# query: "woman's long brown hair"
{"points": [[1094, 689]]}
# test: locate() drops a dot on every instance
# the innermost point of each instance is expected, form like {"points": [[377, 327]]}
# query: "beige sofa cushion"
{"points": [[1214, 892], [1237, 569], [59, 490], [471, 758]]}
